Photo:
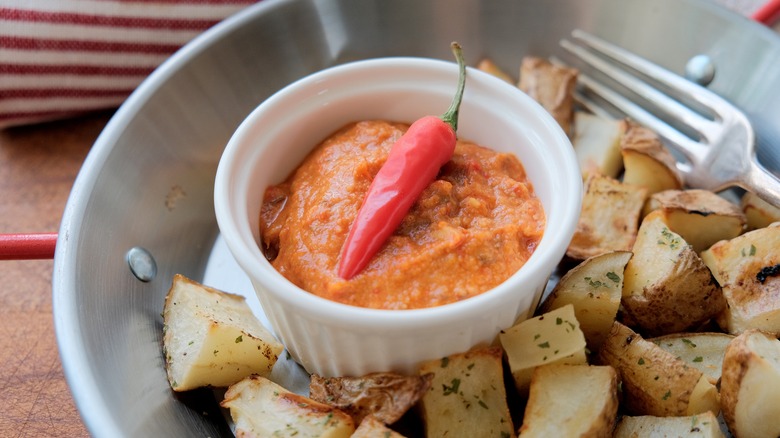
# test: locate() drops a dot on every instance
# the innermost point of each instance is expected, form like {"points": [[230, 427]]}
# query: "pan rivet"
{"points": [[141, 263], [700, 69]]}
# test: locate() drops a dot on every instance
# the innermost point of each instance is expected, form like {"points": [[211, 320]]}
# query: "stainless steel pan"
{"points": [[148, 180]]}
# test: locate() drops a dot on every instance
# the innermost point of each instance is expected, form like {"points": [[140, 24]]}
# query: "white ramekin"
{"points": [[330, 338]]}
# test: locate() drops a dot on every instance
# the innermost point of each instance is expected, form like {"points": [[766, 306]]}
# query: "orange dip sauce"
{"points": [[471, 229]]}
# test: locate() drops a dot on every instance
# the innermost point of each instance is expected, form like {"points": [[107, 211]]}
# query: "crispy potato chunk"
{"points": [[609, 219], [261, 408], [211, 338], [666, 287], [370, 427], [467, 396], [703, 425], [554, 337], [655, 382], [750, 385], [748, 269], [647, 162], [488, 66], [385, 396], [759, 213], [596, 142], [701, 217], [552, 86], [703, 351], [594, 288], [571, 400]]}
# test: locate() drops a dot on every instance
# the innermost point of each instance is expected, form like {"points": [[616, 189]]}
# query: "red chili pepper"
{"points": [[412, 164]]}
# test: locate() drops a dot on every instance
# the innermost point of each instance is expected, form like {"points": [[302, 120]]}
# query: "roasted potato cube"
{"points": [[261, 408], [759, 213], [571, 400], [750, 385], [703, 425], [609, 218], [748, 268], [467, 396], [594, 288], [701, 217], [655, 382], [370, 427], [552, 86], [666, 286], [385, 396], [596, 142], [211, 338], [488, 66], [703, 351], [647, 161], [554, 337]]}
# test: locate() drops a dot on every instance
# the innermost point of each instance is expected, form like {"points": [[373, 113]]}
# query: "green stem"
{"points": [[451, 116]]}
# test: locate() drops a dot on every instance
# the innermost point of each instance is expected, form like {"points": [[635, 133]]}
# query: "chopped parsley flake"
{"points": [[544, 345], [239, 339], [452, 389], [667, 395], [698, 359], [689, 343], [445, 361], [614, 277]]}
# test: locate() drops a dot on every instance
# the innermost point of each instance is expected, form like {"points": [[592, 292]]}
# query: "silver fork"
{"points": [[720, 150]]}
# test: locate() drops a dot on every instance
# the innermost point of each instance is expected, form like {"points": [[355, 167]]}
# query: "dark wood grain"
{"points": [[38, 165]]}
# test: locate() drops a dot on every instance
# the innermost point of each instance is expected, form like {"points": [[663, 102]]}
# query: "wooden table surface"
{"points": [[38, 165]]}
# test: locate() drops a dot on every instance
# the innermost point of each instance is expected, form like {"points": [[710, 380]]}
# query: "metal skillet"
{"points": [[144, 196]]}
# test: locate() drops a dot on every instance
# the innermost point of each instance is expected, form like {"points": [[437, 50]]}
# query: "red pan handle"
{"points": [[34, 246]]}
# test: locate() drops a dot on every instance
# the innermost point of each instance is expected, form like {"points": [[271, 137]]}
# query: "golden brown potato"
{"points": [[554, 337], [211, 338], [647, 162], [488, 66], [261, 408], [385, 396], [701, 217], [748, 269], [552, 86], [703, 425], [467, 396], [750, 385], [666, 286], [655, 382], [759, 213], [609, 218], [703, 351], [370, 427], [596, 142], [594, 288], [571, 400]]}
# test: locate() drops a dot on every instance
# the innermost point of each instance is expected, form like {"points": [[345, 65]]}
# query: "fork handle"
{"points": [[763, 183]]}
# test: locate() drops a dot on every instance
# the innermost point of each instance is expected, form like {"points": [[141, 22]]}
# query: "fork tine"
{"points": [[689, 148], [681, 86], [688, 118]]}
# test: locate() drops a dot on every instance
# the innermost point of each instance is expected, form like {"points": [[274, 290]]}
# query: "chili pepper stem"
{"points": [[450, 117]]}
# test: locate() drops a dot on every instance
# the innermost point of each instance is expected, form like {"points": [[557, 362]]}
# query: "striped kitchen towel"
{"points": [[60, 58]]}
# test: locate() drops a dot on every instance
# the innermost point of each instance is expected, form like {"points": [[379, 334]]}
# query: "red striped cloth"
{"points": [[59, 58]]}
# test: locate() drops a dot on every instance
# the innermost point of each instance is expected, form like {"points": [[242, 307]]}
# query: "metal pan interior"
{"points": [[148, 181]]}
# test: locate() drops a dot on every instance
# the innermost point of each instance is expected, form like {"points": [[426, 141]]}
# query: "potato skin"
{"points": [[750, 385], [667, 288], [655, 382]]}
